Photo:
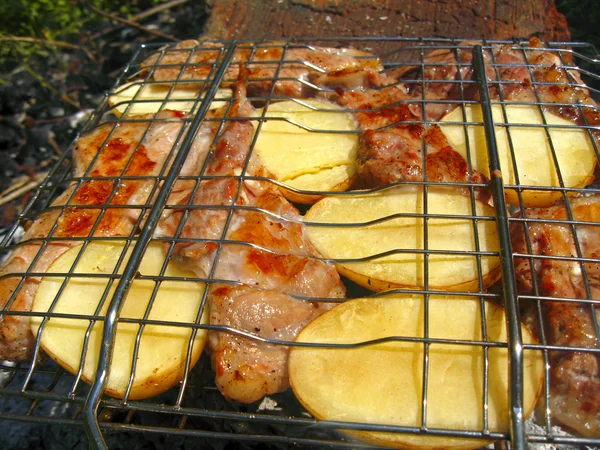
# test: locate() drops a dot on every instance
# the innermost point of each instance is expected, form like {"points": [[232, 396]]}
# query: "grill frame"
{"points": [[86, 403]]}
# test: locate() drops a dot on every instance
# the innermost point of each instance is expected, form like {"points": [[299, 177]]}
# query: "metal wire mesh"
{"points": [[42, 392]]}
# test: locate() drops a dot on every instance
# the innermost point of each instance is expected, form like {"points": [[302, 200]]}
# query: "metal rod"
{"points": [[110, 324], [513, 325], [30, 386]]}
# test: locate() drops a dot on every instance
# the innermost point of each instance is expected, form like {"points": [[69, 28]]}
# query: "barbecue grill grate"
{"points": [[41, 392]]}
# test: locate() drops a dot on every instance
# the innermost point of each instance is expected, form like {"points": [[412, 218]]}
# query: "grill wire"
{"points": [[41, 392]]}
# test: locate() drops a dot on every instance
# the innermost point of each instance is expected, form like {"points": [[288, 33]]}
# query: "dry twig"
{"points": [[142, 15], [20, 187], [48, 42], [132, 24], [54, 145]]}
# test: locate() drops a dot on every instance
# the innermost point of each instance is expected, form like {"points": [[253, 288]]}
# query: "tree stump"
{"points": [[489, 19]]}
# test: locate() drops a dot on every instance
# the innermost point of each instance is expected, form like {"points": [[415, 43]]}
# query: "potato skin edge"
{"points": [[377, 285], [543, 199], [141, 389], [411, 441], [310, 199]]}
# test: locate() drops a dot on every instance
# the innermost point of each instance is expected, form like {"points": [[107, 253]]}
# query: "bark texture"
{"points": [[491, 19]]}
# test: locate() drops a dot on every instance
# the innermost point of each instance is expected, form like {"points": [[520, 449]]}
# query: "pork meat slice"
{"points": [[396, 144], [574, 374], [286, 66], [248, 240], [136, 148]]}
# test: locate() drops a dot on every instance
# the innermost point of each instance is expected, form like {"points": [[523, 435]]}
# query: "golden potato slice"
{"points": [[162, 349], [383, 383], [143, 98], [406, 269], [533, 153], [309, 146]]}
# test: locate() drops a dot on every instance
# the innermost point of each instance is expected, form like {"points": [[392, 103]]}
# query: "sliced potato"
{"points": [[143, 98], [383, 383], [406, 269], [533, 153], [296, 150], [162, 349]]}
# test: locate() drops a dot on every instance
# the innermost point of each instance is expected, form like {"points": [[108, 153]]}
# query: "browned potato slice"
{"points": [[445, 234], [533, 153], [297, 151], [383, 383], [143, 98], [162, 349]]}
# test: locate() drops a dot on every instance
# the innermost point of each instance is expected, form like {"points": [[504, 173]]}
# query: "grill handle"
{"points": [[92, 402], [513, 326]]}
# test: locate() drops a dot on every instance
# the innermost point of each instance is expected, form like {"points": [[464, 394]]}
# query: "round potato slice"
{"points": [[455, 235], [139, 98], [383, 383], [532, 150], [162, 351], [310, 146]]}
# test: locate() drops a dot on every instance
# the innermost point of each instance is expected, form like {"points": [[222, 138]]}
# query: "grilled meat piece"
{"points": [[16, 340], [395, 137], [440, 79], [290, 65], [263, 260], [247, 369], [133, 149], [513, 74], [574, 374]]}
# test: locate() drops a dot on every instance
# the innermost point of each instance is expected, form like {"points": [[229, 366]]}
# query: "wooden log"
{"points": [[490, 19]]}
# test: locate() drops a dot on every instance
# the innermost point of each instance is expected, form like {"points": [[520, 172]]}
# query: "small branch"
{"points": [[142, 15], [21, 187], [131, 24], [54, 145], [156, 9], [48, 42]]}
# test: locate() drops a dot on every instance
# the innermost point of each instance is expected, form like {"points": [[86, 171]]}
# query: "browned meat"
{"points": [[395, 137], [574, 374], [246, 370], [264, 260], [513, 74], [126, 149], [191, 60], [438, 80], [16, 340]]}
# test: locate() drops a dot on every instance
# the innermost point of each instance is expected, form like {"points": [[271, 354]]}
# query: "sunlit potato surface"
{"points": [[466, 241], [309, 145], [383, 383], [533, 152], [138, 97], [162, 349]]}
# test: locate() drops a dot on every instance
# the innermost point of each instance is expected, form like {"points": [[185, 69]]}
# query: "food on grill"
{"points": [[138, 97], [382, 383], [248, 235], [533, 147], [394, 138], [295, 147], [268, 268], [283, 68], [160, 358], [134, 149], [560, 273], [385, 232], [514, 74], [247, 369]]}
